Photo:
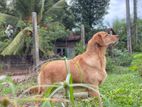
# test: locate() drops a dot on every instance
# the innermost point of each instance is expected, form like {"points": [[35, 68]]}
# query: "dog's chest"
{"points": [[101, 76], [96, 77], [99, 62]]}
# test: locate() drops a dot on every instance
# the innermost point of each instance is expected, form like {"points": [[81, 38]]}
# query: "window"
{"points": [[61, 51]]}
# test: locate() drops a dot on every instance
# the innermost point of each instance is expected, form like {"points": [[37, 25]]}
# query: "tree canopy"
{"points": [[89, 12]]}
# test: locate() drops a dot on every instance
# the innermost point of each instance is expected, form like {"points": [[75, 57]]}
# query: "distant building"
{"points": [[66, 46]]}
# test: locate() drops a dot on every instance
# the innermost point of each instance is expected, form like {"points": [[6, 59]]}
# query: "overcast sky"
{"points": [[117, 10]]}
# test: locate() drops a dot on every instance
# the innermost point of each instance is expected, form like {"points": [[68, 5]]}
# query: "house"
{"points": [[66, 46]]}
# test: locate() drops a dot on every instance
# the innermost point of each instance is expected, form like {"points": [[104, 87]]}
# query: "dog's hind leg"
{"points": [[42, 82]]}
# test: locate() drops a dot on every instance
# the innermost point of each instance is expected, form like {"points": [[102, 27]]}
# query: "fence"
{"points": [[15, 62]]}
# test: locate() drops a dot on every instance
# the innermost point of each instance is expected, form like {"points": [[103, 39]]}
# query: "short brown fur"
{"points": [[89, 67]]}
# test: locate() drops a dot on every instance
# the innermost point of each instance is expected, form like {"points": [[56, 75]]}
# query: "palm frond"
{"points": [[16, 44], [7, 18], [41, 9], [57, 5]]}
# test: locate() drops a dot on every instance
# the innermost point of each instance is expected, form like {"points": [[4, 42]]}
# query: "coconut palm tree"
{"points": [[22, 9]]}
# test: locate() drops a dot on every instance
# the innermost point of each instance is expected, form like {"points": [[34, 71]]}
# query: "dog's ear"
{"points": [[99, 39], [96, 39]]}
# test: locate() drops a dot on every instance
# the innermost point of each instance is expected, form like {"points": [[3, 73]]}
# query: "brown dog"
{"points": [[88, 67]]}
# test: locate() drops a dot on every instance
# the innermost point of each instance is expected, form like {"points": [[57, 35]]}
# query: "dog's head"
{"points": [[103, 39]]}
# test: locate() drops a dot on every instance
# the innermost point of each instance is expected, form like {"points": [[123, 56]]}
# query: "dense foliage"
{"points": [[89, 12], [51, 26], [49, 36], [118, 61], [55, 13], [119, 27], [55, 20]]}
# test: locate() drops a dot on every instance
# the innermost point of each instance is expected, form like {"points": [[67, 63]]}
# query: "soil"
{"points": [[18, 75]]}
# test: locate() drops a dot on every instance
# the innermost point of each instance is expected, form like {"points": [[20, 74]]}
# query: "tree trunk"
{"points": [[128, 25], [135, 22]]}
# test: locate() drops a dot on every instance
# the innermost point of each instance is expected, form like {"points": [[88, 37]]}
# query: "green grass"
{"points": [[121, 90]]}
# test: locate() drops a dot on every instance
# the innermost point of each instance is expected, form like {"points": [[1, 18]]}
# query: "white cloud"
{"points": [[139, 8], [117, 10]]}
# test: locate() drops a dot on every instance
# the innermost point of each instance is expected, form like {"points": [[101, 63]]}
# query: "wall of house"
{"points": [[8, 63], [65, 49]]}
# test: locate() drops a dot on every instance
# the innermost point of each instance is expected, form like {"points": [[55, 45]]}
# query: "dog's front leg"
{"points": [[96, 94]]}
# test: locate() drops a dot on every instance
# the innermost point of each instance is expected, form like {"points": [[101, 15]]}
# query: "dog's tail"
{"points": [[34, 90], [40, 79], [38, 89]]}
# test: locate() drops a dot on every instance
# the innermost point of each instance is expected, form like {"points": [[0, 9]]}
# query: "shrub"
{"points": [[111, 67], [136, 64], [119, 61], [79, 48], [48, 36], [121, 58]]}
